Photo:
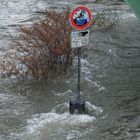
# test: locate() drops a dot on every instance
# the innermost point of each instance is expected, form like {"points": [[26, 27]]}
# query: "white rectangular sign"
{"points": [[79, 38]]}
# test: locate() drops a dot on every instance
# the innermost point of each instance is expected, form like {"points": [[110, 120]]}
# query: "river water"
{"points": [[110, 84]]}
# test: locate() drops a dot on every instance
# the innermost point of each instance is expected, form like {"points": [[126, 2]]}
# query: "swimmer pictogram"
{"points": [[80, 17]]}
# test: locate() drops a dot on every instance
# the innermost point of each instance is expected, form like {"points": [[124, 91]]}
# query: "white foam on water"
{"points": [[128, 15], [102, 88], [41, 6], [73, 135], [86, 70], [42, 120], [84, 62], [64, 93], [92, 107], [109, 50], [53, 122]]}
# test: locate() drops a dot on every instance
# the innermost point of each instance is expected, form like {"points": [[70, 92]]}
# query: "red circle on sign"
{"points": [[80, 17]]}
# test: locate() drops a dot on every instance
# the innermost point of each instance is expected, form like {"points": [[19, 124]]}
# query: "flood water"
{"points": [[110, 84]]}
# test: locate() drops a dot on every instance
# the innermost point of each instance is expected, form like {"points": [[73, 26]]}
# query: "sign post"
{"points": [[79, 74], [80, 19]]}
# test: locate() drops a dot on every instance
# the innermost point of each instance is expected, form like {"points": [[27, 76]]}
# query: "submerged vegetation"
{"points": [[42, 48]]}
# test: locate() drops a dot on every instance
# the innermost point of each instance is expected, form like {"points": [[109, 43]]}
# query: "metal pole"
{"points": [[78, 105], [79, 74]]}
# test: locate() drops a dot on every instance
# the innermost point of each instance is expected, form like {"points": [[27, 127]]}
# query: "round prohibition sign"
{"points": [[80, 17]]}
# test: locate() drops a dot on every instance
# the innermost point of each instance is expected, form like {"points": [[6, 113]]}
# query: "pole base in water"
{"points": [[77, 107]]}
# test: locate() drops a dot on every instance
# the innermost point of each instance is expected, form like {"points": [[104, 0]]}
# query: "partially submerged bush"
{"points": [[42, 48]]}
